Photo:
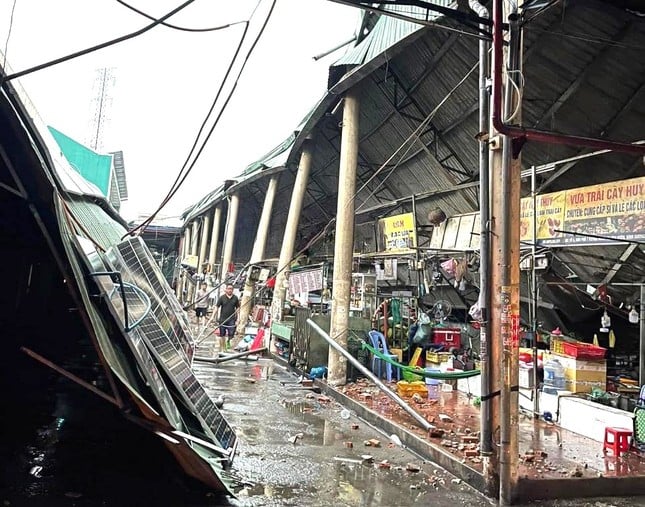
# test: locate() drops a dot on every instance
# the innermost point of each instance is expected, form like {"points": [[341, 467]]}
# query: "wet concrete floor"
{"points": [[298, 447]]}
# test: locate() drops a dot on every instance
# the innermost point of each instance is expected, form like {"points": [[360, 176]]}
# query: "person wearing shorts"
{"points": [[201, 304], [228, 305]]}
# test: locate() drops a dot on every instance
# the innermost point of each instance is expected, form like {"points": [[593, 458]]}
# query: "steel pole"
{"points": [[486, 421], [399, 401], [641, 357], [344, 238]]}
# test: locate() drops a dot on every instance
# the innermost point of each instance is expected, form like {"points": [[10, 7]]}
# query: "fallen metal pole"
{"points": [[417, 417], [218, 360]]}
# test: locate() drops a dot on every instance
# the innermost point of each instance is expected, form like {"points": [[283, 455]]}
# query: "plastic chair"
{"points": [[380, 343], [619, 442]]}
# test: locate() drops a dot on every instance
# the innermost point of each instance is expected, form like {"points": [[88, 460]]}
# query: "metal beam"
{"points": [[581, 78], [608, 127], [419, 197], [619, 263]]}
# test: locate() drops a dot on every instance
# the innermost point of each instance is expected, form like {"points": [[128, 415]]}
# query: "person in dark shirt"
{"points": [[228, 305]]}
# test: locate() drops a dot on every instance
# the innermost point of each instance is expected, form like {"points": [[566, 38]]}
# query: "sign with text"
{"points": [[596, 214], [397, 234]]}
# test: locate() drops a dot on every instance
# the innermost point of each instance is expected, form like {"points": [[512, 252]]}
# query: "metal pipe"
{"points": [[542, 136], [218, 360], [486, 439], [399, 401], [534, 298], [335, 48], [641, 357]]}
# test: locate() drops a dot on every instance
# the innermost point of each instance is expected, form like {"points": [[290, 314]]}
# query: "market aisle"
{"points": [[296, 448]]}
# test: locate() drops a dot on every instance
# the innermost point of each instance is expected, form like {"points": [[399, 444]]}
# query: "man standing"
{"points": [[201, 304], [228, 305]]}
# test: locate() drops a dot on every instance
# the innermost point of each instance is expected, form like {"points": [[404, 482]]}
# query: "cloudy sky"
{"points": [[165, 81]]}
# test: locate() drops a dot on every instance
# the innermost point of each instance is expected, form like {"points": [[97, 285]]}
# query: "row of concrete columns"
{"points": [[343, 251]]}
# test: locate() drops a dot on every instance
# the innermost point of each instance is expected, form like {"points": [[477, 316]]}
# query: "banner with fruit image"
{"points": [[550, 216], [597, 214]]}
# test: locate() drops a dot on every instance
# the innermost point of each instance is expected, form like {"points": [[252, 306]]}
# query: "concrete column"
{"points": [[206, 226], [344, 239], [229, 235], [183, 248], [291, 227], [505, 283], [194, 234], [212, 251], [258, 252]]}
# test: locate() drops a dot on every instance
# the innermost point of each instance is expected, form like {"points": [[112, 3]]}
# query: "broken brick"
{"points": [[374, 443], [471, 453], [411, 467], [354, 426], [349, 445], [436, 433]]}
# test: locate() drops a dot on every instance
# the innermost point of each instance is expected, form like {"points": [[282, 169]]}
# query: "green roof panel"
{"points": [[94, 167]]}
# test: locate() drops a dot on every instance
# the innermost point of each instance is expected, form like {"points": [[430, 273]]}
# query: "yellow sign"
{"points": [[588, 215], [397, 233]]}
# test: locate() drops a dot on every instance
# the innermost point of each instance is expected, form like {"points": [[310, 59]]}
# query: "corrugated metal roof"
{"points": [[386, 32], [99, 226]]}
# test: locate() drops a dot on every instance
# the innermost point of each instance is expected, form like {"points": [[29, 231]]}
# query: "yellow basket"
{"points": [[437, 357], [405, 388]]}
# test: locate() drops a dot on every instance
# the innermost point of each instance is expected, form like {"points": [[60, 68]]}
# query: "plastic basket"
{"points": [[404, 388], [583, 351]]}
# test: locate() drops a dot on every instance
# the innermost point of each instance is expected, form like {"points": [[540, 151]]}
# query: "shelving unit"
{"points": [[363, 293]]}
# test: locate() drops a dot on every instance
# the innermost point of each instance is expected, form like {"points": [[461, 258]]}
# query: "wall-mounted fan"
{"points": [[441, 310]]}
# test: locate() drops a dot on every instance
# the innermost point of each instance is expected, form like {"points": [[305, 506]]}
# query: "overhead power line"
{"points": [[106, 44], [187, 168], [181, 28]]}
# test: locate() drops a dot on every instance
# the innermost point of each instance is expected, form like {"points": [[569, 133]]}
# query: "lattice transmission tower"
{"points": [[100, 107]]}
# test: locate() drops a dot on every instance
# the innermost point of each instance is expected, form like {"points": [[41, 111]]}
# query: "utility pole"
{"points": [[344, 240], [101, 103], [505, 245]]}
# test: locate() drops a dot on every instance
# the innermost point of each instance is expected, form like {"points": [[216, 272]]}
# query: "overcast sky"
{"points": [[165, 81]]}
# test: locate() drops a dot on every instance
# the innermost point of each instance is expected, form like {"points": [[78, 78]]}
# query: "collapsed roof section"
{"points": [[64, 247]]}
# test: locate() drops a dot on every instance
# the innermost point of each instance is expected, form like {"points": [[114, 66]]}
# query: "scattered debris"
{"points": [[349, 445], [354, 426], [445, 418], [367, 458], [456, 481], [385, 464], [412, 467], [395, 439], [295, 438], [436, 433]]}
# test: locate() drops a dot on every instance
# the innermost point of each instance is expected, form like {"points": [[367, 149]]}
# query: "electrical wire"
{"points": [[181, 28], [86, 51], [6, 44], [186, 169]]}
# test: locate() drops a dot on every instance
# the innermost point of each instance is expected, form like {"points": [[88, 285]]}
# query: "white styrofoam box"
{"points": [[526, 377], [590, 419], [472, 385]]}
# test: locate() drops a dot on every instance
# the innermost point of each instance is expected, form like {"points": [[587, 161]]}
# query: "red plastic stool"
{"points": [[619, 442]]}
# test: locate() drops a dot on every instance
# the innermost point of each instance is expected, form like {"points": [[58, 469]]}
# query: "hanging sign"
{"points": [[301, 282], [397, 234], [614, 210]]}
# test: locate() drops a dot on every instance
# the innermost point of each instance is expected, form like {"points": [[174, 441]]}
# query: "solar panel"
{"points": [[164, 328]]}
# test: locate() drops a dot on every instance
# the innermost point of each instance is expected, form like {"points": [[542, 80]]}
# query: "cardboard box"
{"points": [[582, 375]]}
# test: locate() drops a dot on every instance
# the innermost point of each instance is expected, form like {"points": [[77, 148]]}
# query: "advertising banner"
{"points": [[397, 234], [597, 214]]}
